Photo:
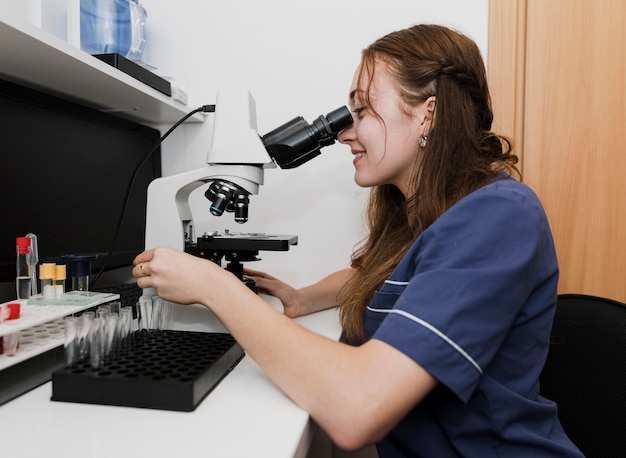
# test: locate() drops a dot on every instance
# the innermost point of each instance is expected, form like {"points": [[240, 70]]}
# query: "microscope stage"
{"points": [[235, 242]]}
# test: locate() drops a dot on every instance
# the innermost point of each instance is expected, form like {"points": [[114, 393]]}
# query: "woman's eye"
{"points": [[358, 111]]}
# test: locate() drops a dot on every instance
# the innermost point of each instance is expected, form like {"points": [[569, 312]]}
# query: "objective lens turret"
{"points": [[227, 196]]}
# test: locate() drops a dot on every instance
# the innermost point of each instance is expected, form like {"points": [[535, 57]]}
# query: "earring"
{"points": [[423, 140]]}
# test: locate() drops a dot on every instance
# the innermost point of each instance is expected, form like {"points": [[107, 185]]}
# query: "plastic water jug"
{"points": [[113, 26]]}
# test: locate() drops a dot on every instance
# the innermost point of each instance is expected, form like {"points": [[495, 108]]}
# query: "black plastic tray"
{"points": [[167, 370]]}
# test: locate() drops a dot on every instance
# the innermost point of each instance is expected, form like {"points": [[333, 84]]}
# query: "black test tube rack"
{"points": [[166, 370]]}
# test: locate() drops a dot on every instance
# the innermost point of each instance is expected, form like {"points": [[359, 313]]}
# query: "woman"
{"points": [[447, 307]]}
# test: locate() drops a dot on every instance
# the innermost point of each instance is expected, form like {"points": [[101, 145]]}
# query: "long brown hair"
{"points": [[461, 154]]}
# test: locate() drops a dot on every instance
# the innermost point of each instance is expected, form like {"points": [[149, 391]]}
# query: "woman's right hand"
{"points": [[290, 297], [310, 299]]}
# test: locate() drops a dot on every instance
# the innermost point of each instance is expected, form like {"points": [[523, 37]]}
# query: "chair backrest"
{"points": [[585, 373]]}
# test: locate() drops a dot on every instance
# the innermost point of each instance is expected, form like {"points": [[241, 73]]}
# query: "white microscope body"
{"points": [[234, 170], [237, 155], [235, 166]]}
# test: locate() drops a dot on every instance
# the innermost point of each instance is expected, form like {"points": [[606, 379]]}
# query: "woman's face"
{"points": [[384, 147]]}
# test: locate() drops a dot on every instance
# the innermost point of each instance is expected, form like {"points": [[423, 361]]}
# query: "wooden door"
{"points": [[557, 71]]}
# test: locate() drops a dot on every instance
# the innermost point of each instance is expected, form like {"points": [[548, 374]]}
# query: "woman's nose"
{"points": [[346, 135]]}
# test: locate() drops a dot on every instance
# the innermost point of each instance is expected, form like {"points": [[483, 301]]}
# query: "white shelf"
{"points": [[37, 59]]}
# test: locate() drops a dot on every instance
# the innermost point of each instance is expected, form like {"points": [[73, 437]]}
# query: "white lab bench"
{"points": [[245, 416]]}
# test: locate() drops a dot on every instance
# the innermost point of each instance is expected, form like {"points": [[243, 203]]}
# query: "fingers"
{"points": [[141, 270], [141, 264], [257, 274], [143, 257], [254, 273]]}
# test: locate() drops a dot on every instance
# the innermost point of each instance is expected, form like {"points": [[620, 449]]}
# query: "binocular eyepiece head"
{"points": [[290, 146], [297, 142]]}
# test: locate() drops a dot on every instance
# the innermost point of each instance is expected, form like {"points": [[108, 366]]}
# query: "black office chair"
{"points": [[585, 373]]}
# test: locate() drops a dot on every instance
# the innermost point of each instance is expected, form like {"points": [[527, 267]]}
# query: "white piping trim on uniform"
{"points": [[433, 329], [394, 282]]}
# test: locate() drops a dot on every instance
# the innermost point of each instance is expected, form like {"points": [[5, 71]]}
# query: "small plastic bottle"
{"points": [[46, 276], [59, 280], [23, 268], [79, 267]]}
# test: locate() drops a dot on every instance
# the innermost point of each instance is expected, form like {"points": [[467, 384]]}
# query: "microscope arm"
{"points": [[169, 220]]}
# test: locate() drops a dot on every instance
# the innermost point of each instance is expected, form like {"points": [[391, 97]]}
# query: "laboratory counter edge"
{"points": [[245, 415]]}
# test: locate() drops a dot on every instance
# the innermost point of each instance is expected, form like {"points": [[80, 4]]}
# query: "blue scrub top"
{"points": [[472, 302]]}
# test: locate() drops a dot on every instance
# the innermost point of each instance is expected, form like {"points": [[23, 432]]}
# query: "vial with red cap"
{"points": [[23, 268]]}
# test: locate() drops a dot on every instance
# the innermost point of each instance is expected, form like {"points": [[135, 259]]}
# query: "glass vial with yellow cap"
{"points": [[59, 280], [47, 271]]}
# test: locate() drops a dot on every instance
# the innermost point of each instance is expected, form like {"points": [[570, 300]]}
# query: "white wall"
{"points": [[297, 58]]}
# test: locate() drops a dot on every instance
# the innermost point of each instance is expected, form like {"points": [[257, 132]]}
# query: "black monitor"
{"points": [[64, 173]]}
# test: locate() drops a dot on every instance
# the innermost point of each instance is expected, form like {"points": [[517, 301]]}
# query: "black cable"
{"points": [[118, 228]]}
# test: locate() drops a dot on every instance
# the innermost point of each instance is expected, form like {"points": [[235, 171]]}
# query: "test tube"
{"points": [[115, 306], [10, 343], [96, 342], [145, 312], [23, 268], [86, 320], [127, 326], [161, 312], [110, 333], [71, 340], [103, 311], [127, 320]]}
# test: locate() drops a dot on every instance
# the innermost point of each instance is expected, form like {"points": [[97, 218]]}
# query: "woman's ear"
{"points": [[428, 112], [430, 106]]}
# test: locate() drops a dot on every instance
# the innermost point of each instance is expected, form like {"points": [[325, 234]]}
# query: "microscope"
{"points": [[234, 171]]}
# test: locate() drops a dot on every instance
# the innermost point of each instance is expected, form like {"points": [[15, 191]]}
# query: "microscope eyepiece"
{"points": [[297, 142]]}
